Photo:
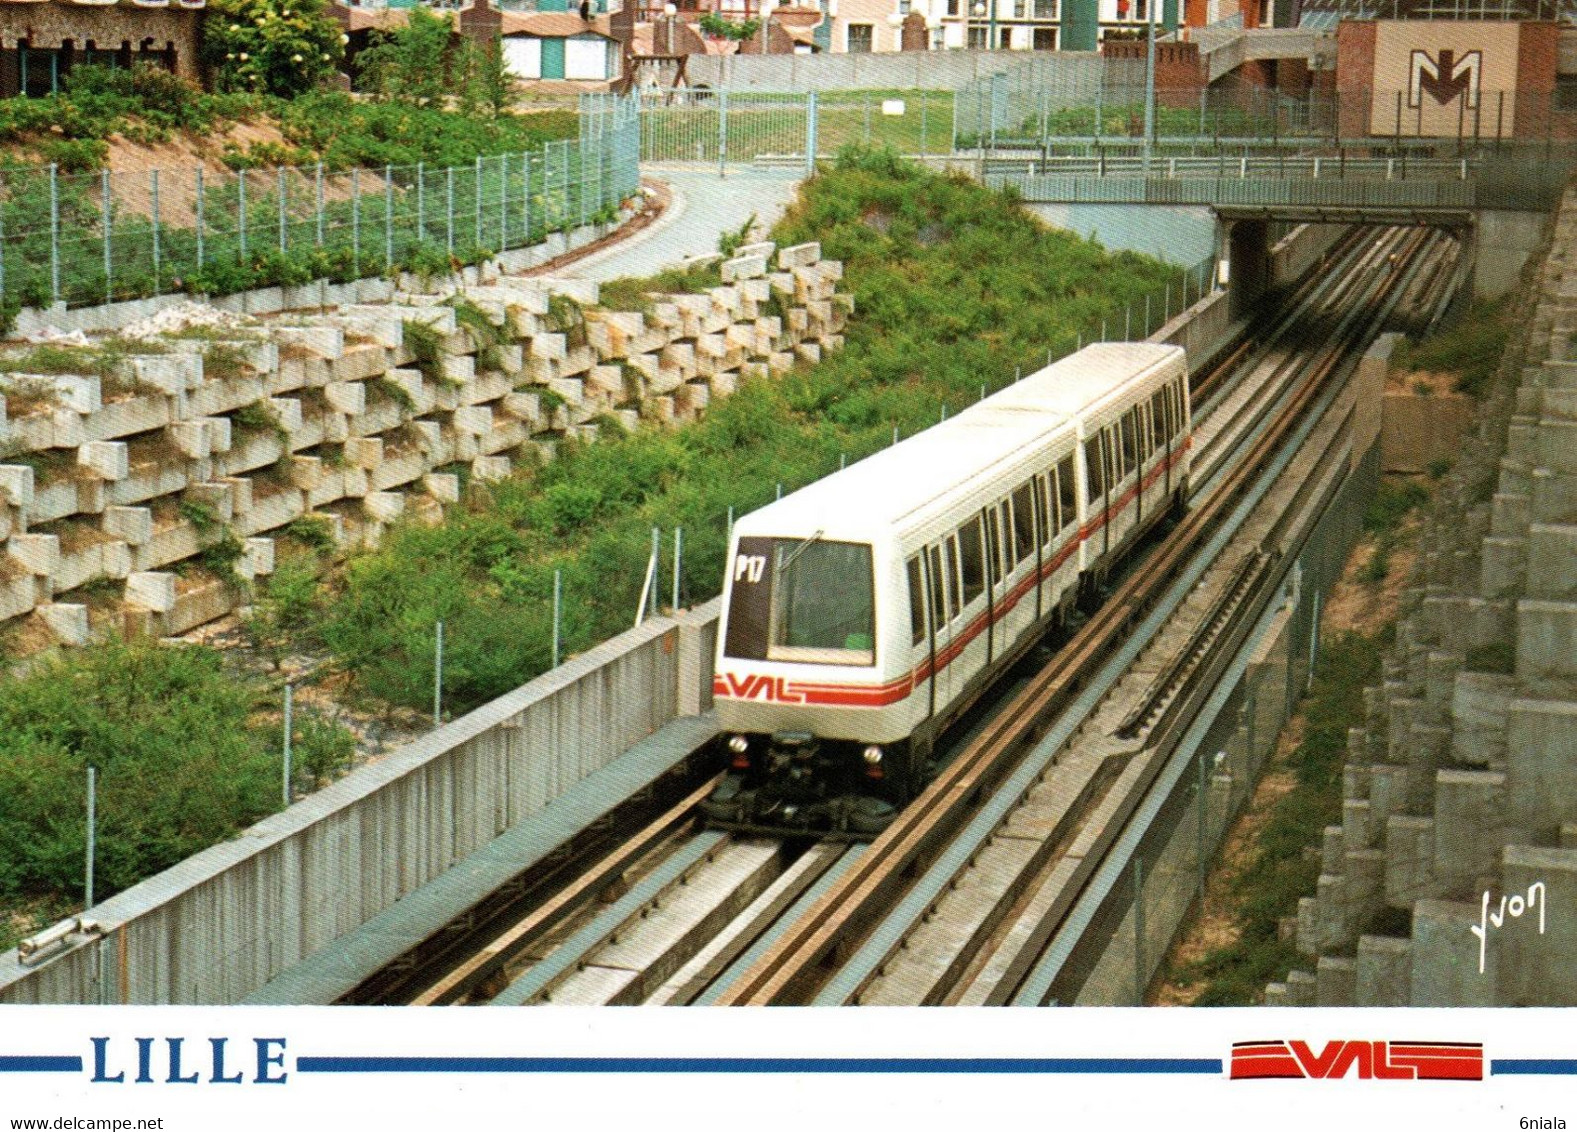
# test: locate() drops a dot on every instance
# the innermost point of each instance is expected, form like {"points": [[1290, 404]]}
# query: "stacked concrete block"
{"points": [[346, 415], [1461, 778]]}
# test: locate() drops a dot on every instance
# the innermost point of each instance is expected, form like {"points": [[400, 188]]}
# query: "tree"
{"points": [[280, 47], [411, 63], [486, 82]]}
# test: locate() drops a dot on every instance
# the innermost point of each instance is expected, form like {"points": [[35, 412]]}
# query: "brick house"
{"points": [[41, 40]]}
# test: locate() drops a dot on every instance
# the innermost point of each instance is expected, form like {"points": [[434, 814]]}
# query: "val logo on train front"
{"points": [[1364, 1059]]}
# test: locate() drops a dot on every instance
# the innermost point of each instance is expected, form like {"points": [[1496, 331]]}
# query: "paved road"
{"points": [[704, 206]]}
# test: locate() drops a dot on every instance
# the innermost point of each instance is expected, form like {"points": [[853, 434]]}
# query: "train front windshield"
{"points": [[802, 600]]}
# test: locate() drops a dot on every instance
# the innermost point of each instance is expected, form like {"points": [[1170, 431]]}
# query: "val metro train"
{"points": [[864, 613]]}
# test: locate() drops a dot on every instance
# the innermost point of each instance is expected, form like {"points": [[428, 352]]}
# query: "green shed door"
{"points": [[553, 58], [1080, 25]]}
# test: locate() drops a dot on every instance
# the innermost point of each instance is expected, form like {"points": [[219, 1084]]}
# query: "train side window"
{"points": [[1129, 450], [1159, 432], [993, 545], [1053, 505], [1180, 395], [969, 554], [1006, 519], [1043, 518], [938, 601], [1142, 428], [1023, 522], [1094, 468], [916, 600], [1109, 453], [1173, 417], [951, 555], [1065, 491]]}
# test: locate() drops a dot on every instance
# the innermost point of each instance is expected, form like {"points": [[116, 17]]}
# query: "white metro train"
{"points": [[865, 612]]}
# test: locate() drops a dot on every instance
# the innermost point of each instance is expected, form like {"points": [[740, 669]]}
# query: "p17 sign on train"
{"points": [[1379, 1061]]}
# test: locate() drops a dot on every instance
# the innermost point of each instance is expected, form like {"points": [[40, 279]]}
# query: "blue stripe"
{"points": [[1533, 1067], [821, 1065], [18, 1063]]}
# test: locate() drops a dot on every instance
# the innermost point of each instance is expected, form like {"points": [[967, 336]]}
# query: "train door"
{"points": [[937, 564], [921, 651], [999, 562], [1160, 441]]}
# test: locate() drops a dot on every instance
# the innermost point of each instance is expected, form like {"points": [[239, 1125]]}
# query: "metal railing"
{"points": [[87, 238]]}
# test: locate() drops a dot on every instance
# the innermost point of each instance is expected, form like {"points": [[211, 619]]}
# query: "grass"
{"points": [[634, 293], [1383, 521], [1279, 869], [1470, 348]]}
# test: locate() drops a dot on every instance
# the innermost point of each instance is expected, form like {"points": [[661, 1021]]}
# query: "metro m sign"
{"points": [[1445, 77], [1367, 1060]]}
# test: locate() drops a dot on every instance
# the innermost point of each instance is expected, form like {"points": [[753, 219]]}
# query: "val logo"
{"points": [[1377, 1061]]}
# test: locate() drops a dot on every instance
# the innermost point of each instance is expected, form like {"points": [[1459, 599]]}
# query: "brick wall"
{"points": [[1354, 76]]}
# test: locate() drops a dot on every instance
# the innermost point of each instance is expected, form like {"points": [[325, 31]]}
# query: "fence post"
{"points": [[318, 178], [438, 676], [449, 209], [657, 535], [279, 184], [104, 212], [388, 218], [810, 135], [93, 832], [3, 188], [199, 216], [285, 790], [240, 193], [558, 612], [54, 232], [153, 193], [678, 562]]}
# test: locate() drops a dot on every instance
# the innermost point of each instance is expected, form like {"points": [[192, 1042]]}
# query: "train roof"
{"points": [[932, 469], [1081, 382]]}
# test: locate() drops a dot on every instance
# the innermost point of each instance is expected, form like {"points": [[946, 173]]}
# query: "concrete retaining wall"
{"points": [[1458, 783], [354, 417]]}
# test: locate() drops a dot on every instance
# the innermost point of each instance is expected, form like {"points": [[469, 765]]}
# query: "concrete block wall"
{"points": [[1460, 781], [116, 487]]}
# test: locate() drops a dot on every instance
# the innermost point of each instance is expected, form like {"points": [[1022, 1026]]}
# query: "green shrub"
{"points": [[182, 760], [278, 47], [1471, 347]]}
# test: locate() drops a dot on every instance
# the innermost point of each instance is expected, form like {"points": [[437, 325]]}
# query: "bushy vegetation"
{"points": [[279, 47], [955, 288], [1470, 348], [1384, 521], [1281, 867], [187, 754]]}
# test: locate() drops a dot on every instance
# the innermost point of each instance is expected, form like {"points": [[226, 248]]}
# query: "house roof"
{"points": [[547, 25]]}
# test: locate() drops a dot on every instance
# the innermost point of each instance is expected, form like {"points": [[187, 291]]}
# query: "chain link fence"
{"points": [[90, 238]]}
